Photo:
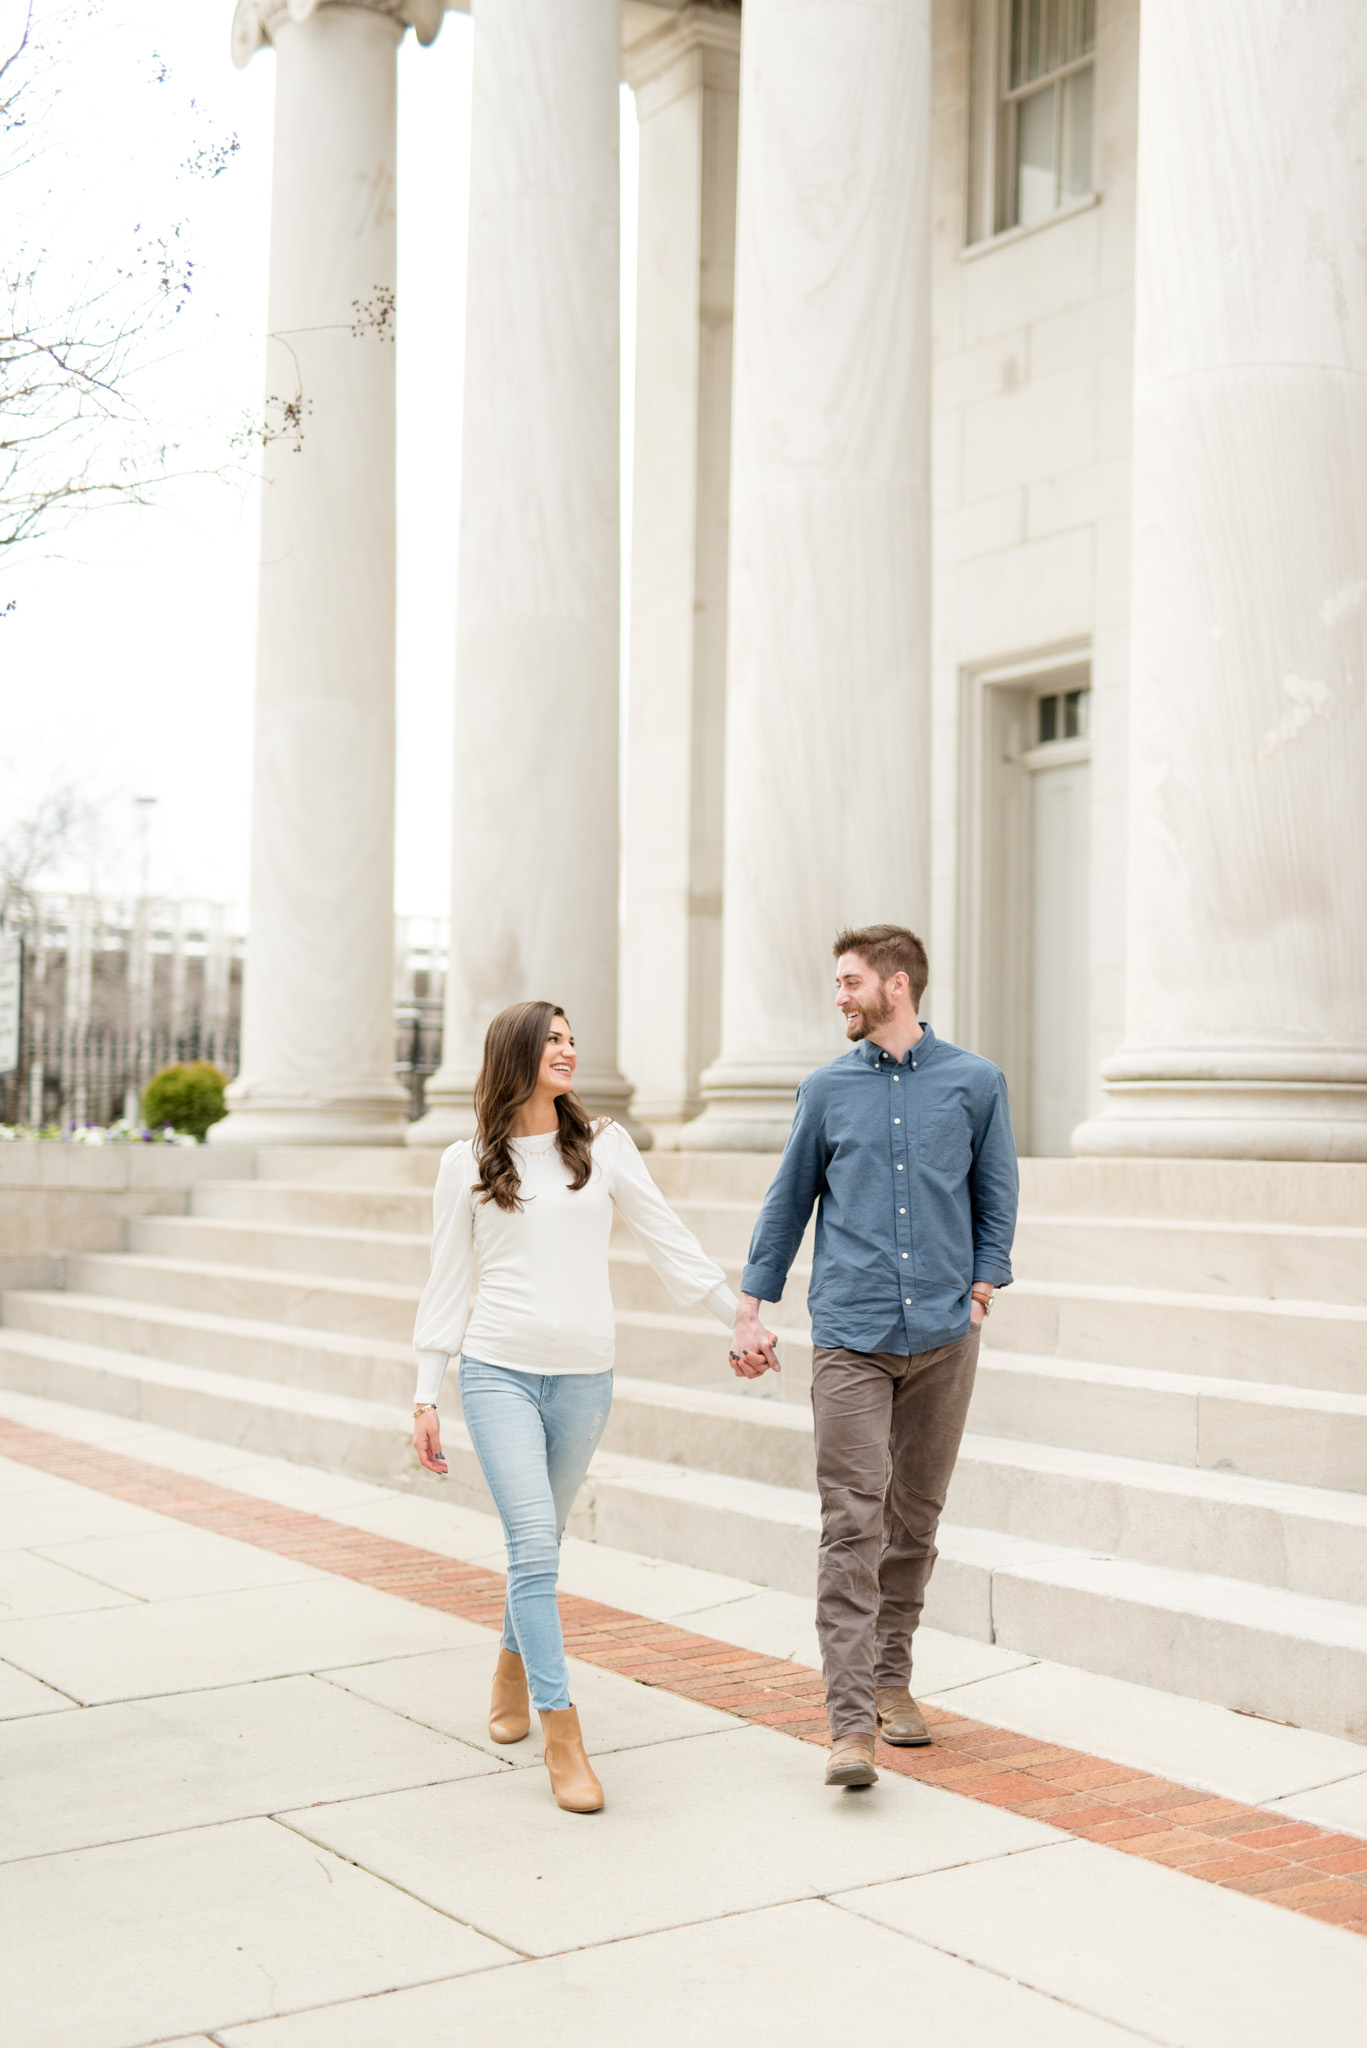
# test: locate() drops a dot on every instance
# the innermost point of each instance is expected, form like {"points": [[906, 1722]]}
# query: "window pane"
{"points": [[1079, 29], [1053, 56], [1048, 719], [1026, 37], [1035, 196], [1076, 181]]}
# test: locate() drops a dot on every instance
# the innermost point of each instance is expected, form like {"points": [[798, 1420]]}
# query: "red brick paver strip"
{"points": [[1243, 1848]]}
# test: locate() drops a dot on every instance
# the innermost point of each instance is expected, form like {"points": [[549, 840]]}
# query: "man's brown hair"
{"points": [[888, 949]]}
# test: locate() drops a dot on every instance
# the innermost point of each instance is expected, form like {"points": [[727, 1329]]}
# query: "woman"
{"points": [[531, 1199]]}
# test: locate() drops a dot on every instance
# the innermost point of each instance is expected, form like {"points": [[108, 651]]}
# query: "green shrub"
{"points": [[188, 1097]]}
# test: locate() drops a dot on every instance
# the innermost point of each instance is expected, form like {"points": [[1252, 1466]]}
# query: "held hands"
{"points": [[427, 1440], [752, 1349]]}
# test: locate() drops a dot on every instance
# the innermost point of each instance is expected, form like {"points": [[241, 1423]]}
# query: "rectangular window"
{"points": [[1033, 111]]}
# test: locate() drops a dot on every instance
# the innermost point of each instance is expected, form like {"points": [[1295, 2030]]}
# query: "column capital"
{"points": [[698, 25], [255, 21]]}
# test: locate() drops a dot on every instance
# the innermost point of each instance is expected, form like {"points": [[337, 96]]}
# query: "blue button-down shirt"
{"points": [[913, 1167]]}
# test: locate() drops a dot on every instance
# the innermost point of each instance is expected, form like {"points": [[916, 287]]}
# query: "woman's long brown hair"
{"points": [[513, 1046]]}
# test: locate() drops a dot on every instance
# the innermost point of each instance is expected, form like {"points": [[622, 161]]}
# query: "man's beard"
{"points": [[871, 1016]]}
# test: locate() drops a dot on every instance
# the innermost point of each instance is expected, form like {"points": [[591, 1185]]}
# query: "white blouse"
{"points": [[542, 1302]]}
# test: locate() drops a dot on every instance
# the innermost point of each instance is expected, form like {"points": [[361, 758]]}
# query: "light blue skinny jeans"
{"points": [[534, 1434]]}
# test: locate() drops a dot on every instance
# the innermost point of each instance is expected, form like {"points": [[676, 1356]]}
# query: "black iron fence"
{"points": [[79, 1074]]}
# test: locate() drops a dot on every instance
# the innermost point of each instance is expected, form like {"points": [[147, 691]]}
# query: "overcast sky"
{"points": [[126, 663]]}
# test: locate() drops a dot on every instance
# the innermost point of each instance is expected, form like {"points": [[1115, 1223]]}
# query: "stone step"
{"points": [[1290, 1655], [298, 1359], [1277, 1261], [1296, 1434], [1294, 1343], [1302, 1539], [1330, 1195], [380, 1166], [402, 1259], [338, 1207], [369, 1308]]}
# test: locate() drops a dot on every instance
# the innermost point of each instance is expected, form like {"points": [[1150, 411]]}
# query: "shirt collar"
{"points": [[874, 1055]]}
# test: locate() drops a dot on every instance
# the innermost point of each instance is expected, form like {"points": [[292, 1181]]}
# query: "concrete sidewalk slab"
{"points": [[105, 1948], [1342, 1805], [449, 1690], [802, 1975], [21, 1695], [224, 1639], [33, 1585], [704, 1826], [1184, 1963], [192, 1759], [176, 1563], [1236, 1755]]}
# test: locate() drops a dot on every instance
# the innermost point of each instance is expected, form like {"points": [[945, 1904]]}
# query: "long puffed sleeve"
{"points": [[671, 1247], [445, 1306]]}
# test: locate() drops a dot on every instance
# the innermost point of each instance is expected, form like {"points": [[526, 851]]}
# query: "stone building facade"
{"points": [[1000, 521]]}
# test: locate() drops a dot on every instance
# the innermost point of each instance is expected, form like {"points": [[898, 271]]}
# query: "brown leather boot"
{"points": [[510, 1710], [851, 1762], [900, 1719], [572, 1779]]}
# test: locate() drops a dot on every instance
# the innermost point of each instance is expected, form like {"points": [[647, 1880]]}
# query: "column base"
{"points": [[749, 1106], [1244, 1105], [372, 1119], [450, 1115]]}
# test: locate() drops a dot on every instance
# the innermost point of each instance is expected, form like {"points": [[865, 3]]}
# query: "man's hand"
{"points": [[752, 1351], [982, 1302]]}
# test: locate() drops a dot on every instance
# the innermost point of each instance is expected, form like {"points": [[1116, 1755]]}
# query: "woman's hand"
{"points": [[427, 1441]]}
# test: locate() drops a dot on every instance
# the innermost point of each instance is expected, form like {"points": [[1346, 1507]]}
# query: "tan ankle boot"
{"points": [[572, 1779], [510, 1712], [900, 1719]]}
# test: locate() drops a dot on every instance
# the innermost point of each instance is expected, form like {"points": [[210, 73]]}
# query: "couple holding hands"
{"points": [[903, 1145]]}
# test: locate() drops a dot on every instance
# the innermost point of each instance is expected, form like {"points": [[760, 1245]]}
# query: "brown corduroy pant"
{"points": [[888, 1428]]}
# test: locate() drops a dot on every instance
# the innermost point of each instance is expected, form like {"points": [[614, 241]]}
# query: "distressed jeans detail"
{"points": [[888, 1429], [534, 1434]]}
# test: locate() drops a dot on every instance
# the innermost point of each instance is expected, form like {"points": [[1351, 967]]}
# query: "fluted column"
{"points": [[318, 1014], [535, 835], [827, 735], [1247, 958], [685, 72]]}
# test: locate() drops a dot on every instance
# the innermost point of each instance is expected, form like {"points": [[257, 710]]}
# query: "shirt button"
{"points": [[901, 1212], [897, 1119], [908, 1301], [899, 1169], [904, 1255]]}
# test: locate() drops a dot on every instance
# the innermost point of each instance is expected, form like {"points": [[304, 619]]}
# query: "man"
{"points": [[905, 1145]]}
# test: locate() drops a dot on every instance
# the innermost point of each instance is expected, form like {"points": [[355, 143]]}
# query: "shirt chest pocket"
{"points": [[945, 1142]]}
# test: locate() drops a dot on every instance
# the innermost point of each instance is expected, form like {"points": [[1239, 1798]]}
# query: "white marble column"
{"points": [[686, 80], [827, 724], [535, 832], [1247, 961], [318, 1018]]}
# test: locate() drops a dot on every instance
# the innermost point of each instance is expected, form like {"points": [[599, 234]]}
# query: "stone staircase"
{"points": [[1165, 1478]]}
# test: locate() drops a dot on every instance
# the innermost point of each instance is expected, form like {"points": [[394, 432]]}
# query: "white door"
{"points": [[1058, 977]]}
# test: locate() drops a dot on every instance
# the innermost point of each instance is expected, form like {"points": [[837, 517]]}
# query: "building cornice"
{"points": [[255, 21], [697, 25]]}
